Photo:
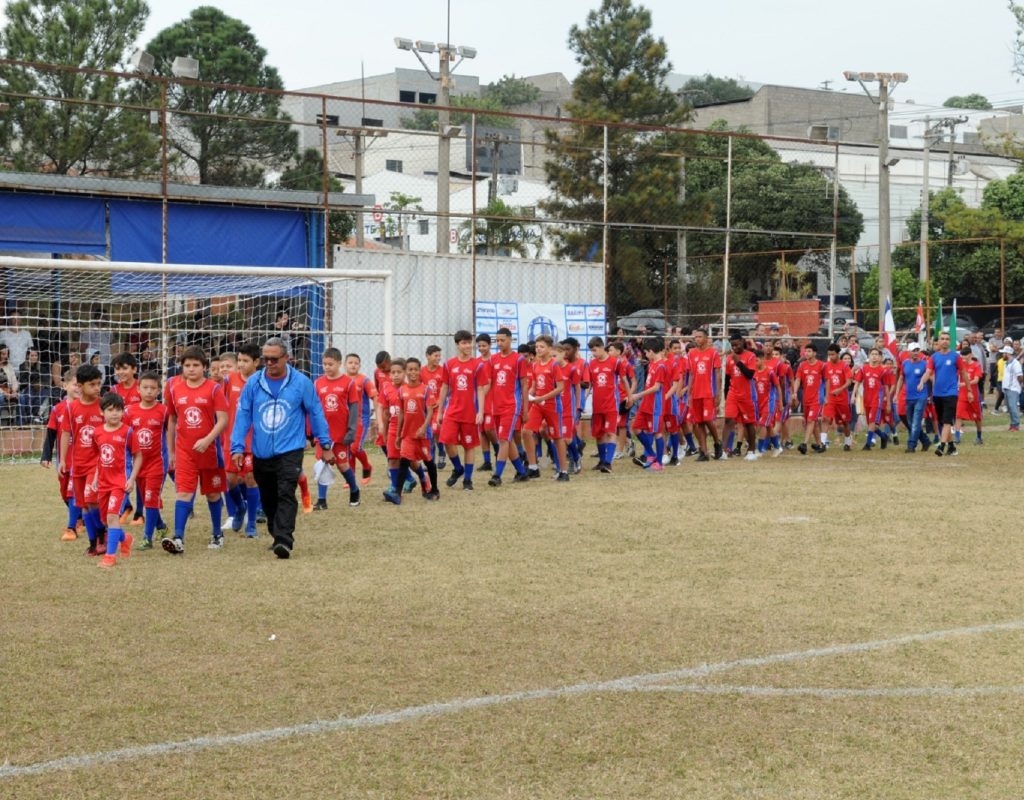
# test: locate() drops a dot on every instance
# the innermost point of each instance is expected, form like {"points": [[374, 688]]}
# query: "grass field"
{"points": [[908, 566]]}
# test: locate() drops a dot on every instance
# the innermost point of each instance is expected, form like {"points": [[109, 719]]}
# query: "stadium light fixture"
{"points": [[451, 131], [403, 44], [185, 67], [142, 62], [426, 47], [467, 52]]}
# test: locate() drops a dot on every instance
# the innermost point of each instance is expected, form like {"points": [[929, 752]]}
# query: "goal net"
{"points": [[60, 313]]}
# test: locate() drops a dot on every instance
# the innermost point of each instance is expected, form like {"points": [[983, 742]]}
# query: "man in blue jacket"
{"points": [[274, 404]]}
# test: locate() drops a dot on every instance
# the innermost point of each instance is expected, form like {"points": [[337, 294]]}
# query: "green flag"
{"points": [[952, 327], [938, 320]]}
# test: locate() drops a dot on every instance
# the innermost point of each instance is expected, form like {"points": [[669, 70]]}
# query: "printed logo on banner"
{"points": [[542, 325], [507, 310], [596, 328], [487, 310], [489, 325], [595, 312], [512, 324], [575, 312], [577, 327]]}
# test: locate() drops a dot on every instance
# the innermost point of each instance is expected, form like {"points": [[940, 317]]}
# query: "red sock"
{"points": [[363, 459], [304, 487]]}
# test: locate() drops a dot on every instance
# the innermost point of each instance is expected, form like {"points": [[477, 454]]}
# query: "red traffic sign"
{"points": [[378, 212]]}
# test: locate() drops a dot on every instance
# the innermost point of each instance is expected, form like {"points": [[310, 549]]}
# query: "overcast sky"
{"points": [[798, 42]]}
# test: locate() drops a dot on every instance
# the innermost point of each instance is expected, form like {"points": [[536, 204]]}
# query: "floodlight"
{"points": [[467, 52], [851, 76], [868, 77], [184, 67], [426, 47], [900, 77], [142, 62], [403, 44], [451, 131]]}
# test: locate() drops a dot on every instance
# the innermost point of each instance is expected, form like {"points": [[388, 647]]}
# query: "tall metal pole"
{"points": [[728, 248], [925, 202], [165, 341], [472, 221], [326, 185], [884, 232], [681, 247], [1002, 285], [357, 140], [443, 151], [833, 253], [604, 221]]}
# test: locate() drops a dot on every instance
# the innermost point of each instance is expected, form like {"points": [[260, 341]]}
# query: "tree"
{"points": [[425, 119], [973, 100], [306, 171], [62, 137], [499, 231], [511, 91], [708, 90], [622, 75], [907, 290], [399, 203], [219, 145]]}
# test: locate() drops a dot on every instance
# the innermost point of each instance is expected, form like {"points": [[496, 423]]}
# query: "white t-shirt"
{"points": [[18, 342], [1011, 372]]}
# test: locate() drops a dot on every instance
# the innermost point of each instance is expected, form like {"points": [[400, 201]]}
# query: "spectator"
{"points": [[33, 388], [174, 362], [17, 339], [57, 371], [8, 385], [97, 337], [148, 362], [1013, 379]]}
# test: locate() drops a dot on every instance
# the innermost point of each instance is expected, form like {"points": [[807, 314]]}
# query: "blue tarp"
{"points": [[35, 223]]}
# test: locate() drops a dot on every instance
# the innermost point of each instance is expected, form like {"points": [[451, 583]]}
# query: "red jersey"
{"points": [[739, 384], [543, 380], [874, 380], [110, 450], [571, 389], [974, 371], [415, 402], [811, 378], [435, 378], [836, 375], [129, 395], [464, 378], [55, 422], [233, 385], [657, 373], [389, 399], [148, 427], [335, 394], [680, 370], [605, 379], [507, 373], [381, 379], [367, 392], [764, 381], [704, 366], [81, 422], [195, 408]]}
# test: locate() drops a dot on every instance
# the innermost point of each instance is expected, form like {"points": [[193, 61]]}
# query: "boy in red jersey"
{"points": [[196, 415], [570, 389], [780, 365], [704, 365], [617, 350], [609, 385], [77, 456], [126, 368], [242, 486], [147, 419], [509, 388], [766, 393], [416, 405], [969, 409], [810, 379], [339, 395], [838, 378], [112, 442], [649, 423], [544, 407], [578, 380], [740, 403], [367, 394], [51, 447], [387, 417], [876, 386], [488, 433], [465, 390], [381, 378], [433, 374], [676, 416]]}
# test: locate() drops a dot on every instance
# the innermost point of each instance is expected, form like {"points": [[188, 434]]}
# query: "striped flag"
{"points": [[919, 322], [889, 331], [952, 327]]}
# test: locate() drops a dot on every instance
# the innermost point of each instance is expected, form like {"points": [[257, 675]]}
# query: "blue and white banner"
{"points": [[527, 321]]}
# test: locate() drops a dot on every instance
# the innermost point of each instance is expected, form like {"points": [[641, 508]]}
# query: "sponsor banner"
{"points": [[527, 321]]}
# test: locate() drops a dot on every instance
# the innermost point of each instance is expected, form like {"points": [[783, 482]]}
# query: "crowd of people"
{"points": [[235, 428]]}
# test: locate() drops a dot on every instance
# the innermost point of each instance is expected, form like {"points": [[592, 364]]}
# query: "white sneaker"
{"points": [[227, 525], [751, 456], [776, 452], [216, 543], [665, 459]]}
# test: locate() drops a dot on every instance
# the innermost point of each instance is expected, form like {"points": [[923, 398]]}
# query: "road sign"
{"points": [[378, 213]]}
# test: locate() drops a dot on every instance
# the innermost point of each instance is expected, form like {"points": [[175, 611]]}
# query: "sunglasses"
{"points": [[272, 359]]}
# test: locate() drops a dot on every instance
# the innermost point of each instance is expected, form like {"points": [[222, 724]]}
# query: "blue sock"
{"points": [[182, 509], [238, 492], [776, 443], [456, 463], [97, 521], [321, 493], [499, 467], [393, 475], [690, 442], [956, 437], [229, 501], [659, 444], [72, 514], [114, 537], [732, 440], [216, 509], [647, 440], [468, 475], [871, 437], [522, 454], [673, 440], [487, 455], [518, 464], [252, 502], [91, 530], [609, 452], [554, 457], [539, 447], [152, 516], [762, 445], [350, 479]]}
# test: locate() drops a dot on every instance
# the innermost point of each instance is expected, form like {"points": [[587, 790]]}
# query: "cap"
{"points": [[1007, 350], [913, 346], [1008, 340]]}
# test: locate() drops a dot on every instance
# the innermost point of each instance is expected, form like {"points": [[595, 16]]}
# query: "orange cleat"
{"points": [[69, 535], [108, 562], [367, 474], [79, 527], [126, 517], [125, 548], [137, 521]]}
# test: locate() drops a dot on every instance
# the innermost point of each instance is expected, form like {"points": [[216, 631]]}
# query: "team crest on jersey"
{"points": [[410, 405], [193, 417], [602, 379], [702, 367], [501, 378], [85, 435], [215, 481], [106, 455], [461, 382], [144, 436], [331, 402]]}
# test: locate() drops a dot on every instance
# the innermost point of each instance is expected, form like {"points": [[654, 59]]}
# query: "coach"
{"points": [[275, 404]]}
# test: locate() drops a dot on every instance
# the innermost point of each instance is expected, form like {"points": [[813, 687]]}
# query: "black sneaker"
{"points": [[563, 477], [867, 446], [847, 448], [533, 474], [494, 481], [321, 505], [442, 462], [692, 451], [952, 451], [281, 550], [818, 448], [468, 485], [673, 462], [433, 494], [788, 444], [521, 478], [485, 467], [718, 452], [703, 457], [941, 449], [640, 462], [353, 498], [454, 478], [802, 448], [261, 517], [910, 450], [737, 451], [895, 440], [885, 442], [605, 468]]}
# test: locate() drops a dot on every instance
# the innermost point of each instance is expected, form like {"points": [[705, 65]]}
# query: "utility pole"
{"points": [[886, 82], [360, 145], [951, 124], [682, 263]]}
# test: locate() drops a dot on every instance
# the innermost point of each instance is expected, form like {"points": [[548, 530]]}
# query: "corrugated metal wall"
{"points": [[433, 295]]}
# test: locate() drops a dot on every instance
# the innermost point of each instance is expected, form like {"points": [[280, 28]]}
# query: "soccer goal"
{"points": [[60, 313]]}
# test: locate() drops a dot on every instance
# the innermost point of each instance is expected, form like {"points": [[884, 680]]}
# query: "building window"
{"points": [[393, 165], [428, 97], [332, 120], [406, 97], [424, 226], [898, 132]]}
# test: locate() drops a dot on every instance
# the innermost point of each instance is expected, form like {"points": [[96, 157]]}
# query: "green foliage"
{"points": [[622, 78], [72, 138], [228, 152], [424, 119], [973, 100], [499, 232], [907, 290], [306, 171], [708, 89], [394, 225], [511, 91]]}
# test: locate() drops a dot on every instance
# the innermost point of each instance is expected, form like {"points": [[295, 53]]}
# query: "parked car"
{"points": [[1011, 323], [651, 319]]}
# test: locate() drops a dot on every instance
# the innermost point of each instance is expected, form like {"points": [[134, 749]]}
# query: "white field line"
{"points": [[632, 683], [835, 694]]}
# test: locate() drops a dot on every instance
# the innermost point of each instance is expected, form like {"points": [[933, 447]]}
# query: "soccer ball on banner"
{"points": [[540, 326]]}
